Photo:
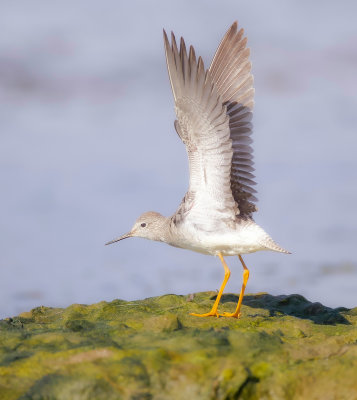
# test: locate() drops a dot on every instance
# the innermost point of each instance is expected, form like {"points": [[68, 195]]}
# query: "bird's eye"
{"points": [[143, 225]]}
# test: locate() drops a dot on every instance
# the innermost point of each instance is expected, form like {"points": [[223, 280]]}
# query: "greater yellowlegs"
{"points": [[214, 110]]}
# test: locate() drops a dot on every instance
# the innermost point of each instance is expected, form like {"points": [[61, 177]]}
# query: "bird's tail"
{"points": [[265, 239], [273, 246]]}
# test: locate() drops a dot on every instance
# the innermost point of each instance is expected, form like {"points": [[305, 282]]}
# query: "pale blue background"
{"points": [[87, 144]]}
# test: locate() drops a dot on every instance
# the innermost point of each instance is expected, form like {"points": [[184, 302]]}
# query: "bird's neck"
{"points": [[166, 230], [162, 229]]}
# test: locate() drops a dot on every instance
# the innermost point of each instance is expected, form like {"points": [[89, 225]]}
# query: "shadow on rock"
{"points": [[294, 305]]}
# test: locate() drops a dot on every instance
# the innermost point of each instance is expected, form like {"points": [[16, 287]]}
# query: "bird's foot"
{"points": [[209, 314], [231, 315]]}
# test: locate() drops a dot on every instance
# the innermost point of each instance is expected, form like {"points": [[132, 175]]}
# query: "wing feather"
{"points": [[231, 72], [203, 125]]}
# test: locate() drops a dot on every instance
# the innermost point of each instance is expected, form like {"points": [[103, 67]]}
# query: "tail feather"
{"points": [[264, 238], [273, 246]]}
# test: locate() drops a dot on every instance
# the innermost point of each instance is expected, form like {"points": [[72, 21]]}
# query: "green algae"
{"points": [[283, 347]]}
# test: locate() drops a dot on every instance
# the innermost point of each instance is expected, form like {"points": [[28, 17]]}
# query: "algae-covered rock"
{"points": [[283, 347]]}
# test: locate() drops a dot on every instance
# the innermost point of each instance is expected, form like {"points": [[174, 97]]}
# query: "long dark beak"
{"points": [[127, 235]]}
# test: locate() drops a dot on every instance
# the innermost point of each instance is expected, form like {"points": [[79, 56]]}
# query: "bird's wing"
{"points": [[230, 71], [203, 125]]}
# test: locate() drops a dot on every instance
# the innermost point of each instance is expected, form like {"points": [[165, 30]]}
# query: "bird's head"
{"points": [[150, 225]]}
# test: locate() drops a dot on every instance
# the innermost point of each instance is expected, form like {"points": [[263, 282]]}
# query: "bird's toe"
{"points": [[209, 314]]}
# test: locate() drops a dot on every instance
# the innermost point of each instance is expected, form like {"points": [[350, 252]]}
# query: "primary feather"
{"points": [[213, 109], [231, 72]]}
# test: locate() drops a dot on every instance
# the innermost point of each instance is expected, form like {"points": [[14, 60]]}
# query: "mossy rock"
{"points": [[283, 347]]}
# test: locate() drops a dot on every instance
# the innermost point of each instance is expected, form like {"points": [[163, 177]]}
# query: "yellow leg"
{"points": [[236, 313], [227, 274]]}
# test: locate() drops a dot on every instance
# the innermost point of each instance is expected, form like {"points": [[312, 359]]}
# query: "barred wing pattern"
{"points": [[203, 125], [230, 70]]}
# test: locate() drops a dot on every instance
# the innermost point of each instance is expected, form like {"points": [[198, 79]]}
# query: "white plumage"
{"points": [[214, 112]]}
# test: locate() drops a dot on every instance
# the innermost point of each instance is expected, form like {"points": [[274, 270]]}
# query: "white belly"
{"points": [[242, 240]]}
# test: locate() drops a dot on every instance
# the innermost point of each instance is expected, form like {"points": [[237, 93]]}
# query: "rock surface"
{"points": [[283, 347]]}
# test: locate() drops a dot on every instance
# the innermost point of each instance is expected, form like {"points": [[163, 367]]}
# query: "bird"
{"points": [[213, 119]]}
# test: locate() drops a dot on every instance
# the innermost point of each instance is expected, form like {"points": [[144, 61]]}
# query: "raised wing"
{"points": [[230, 71], [203, 125]]}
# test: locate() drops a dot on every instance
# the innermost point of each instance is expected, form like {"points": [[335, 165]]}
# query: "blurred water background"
{"points": [[87, 143]]}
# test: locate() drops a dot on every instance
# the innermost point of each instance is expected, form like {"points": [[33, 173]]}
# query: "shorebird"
{"points": [[214, 112]]}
